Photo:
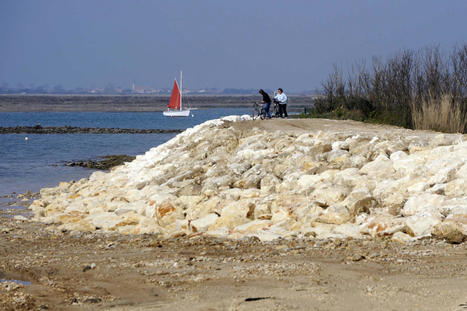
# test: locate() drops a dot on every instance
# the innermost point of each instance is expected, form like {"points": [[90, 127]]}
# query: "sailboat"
{"points": [[175, 108]]}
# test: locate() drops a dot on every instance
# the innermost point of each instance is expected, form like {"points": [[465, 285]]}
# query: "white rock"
{"points": [[335, 214], [450, 231], [20, 217], [438, 189], [422, 224], [417, 188], [105, 221], [456, 187], [202, 224], [307, 182], [231, 118], [329, 194], [360, 200], [348, 230], [398, 155], [381, 166], [382, 225], [401, 237], [423, 202], [275, 184]]}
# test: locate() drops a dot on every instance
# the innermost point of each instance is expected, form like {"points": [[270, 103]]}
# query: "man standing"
{"points": [[266, 102], [282, 99]]}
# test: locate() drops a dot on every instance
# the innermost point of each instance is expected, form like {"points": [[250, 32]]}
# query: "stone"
{"points": [[360, 200], [307, 182], [20, 217], [398, 155], [166, 213], [456, 187], [357, 257], [202, 224], [450, 231], [335, 214], [417, 187], [251, 178], [393, 203], [105, 220], [401, 237], [328, 195], [381, 225], [309, 165], [237, 181], [438, 189], [421, 203], [253, 226], [228, 222], [268, 184], [421, 225], [381, 166], [348, 230]]}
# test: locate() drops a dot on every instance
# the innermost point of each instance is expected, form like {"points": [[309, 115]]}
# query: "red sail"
{"points": [[175, 97]]}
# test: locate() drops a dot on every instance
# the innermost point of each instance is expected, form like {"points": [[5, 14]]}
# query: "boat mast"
{"points": [[181, 88]]}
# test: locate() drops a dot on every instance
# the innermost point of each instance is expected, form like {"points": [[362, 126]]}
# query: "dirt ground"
{"points": [[299, 126], [87, 271]]}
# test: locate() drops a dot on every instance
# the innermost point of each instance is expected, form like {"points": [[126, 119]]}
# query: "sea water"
{"points": [[40, 160]]}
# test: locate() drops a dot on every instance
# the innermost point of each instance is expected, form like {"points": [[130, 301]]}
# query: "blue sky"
{"points": [[220, 44]]}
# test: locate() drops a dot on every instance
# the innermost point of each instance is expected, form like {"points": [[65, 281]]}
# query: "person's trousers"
{"points": [[283, 110], [267, 113]]}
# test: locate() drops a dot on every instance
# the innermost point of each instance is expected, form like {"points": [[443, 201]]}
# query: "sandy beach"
{"points": [[88, 271]]}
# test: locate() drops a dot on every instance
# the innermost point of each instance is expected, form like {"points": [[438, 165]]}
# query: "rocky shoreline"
{"points": [[107, 162], [38, 129], [277, 179], [269, 215]]}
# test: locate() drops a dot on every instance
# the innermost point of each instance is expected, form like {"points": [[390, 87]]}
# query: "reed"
{"points": [[423, 89], [444, 114]]}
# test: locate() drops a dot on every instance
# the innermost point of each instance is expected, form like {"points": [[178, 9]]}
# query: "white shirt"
{"points": [[282, 98]]}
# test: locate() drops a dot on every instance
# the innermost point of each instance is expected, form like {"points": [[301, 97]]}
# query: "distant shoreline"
{"points": [[81, 130], [131, 103]]}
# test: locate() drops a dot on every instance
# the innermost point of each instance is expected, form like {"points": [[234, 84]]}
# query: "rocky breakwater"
{"points": [[273, 179]]}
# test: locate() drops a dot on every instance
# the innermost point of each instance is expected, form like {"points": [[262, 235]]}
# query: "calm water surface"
{"points": [[38, 162]]}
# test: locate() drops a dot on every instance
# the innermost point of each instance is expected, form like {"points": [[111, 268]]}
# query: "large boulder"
{"points": [[450, 231], [423, 203]]}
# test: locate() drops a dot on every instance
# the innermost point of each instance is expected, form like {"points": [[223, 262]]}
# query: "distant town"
{"points": [[117, 90]]}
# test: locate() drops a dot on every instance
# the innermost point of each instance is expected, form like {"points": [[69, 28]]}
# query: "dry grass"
{"points": [[445, 115]]}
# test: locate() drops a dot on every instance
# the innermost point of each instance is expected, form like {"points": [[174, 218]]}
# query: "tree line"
{"points": [[419, 89]]}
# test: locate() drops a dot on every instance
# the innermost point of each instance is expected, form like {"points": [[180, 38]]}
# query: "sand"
{"points": [[91, 271]]}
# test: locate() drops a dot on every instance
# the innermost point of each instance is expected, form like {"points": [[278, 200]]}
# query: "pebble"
{"points": [[357, 257]]}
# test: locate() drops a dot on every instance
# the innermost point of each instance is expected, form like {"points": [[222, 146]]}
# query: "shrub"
{"points": [[422, 89]]}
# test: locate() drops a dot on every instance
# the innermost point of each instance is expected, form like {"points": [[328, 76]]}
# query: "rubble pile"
{"points": [[225, 180]]}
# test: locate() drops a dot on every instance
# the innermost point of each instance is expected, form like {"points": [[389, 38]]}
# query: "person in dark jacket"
{"points": [[267, 103]]}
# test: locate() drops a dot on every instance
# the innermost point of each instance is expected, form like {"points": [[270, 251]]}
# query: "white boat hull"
{"points": [[177, 113]]}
